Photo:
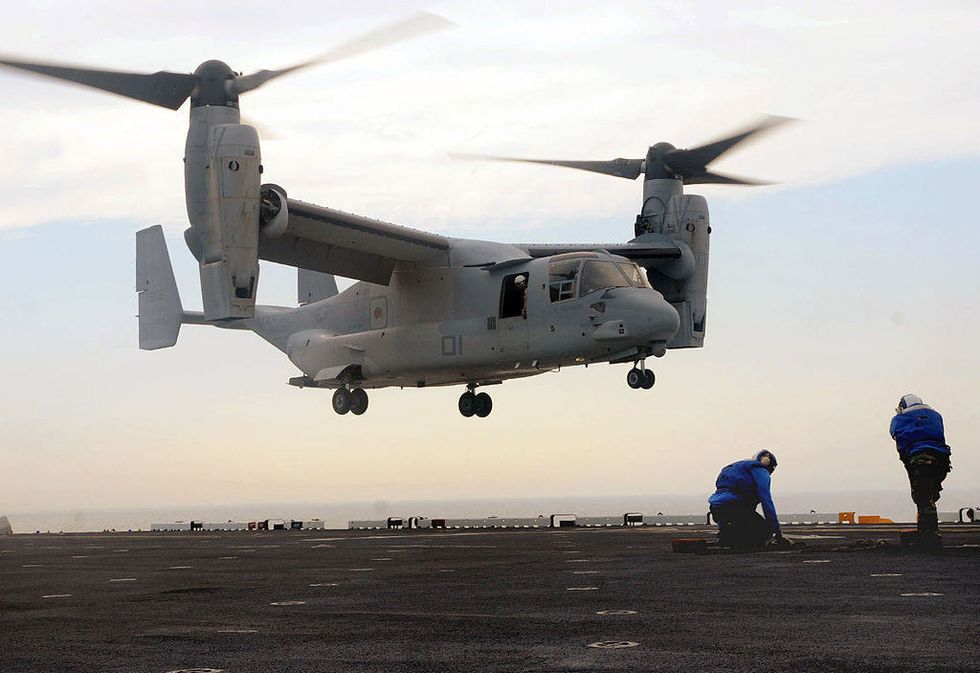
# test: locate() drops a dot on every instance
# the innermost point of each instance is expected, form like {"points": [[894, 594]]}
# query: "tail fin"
{"points": [[160, 310], [313, 286]]}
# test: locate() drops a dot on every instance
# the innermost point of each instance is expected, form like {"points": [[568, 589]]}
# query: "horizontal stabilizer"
{"points": [[160, 310]]}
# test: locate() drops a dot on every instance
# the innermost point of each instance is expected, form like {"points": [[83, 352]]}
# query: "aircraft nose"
{"points": [[641, 315], [661, 318]]}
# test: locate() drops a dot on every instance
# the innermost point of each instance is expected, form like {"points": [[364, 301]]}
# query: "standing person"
{"points": [[740, 488], [920, 439]]}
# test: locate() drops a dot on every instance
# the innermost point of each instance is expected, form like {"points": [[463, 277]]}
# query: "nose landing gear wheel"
{"points": [[358, 401], [648, 379], [635, 378], [342, 401], [484, 405], [467, 404]]}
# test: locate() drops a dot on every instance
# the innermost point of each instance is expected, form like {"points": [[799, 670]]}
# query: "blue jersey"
{"points": [[746, 483], [918, 429]]}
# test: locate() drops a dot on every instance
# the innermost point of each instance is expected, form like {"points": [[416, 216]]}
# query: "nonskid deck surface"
{"points": [[484, 601]]}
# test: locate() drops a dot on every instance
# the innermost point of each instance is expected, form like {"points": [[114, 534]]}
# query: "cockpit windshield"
{"points": [[634, 274], [598, 275]]}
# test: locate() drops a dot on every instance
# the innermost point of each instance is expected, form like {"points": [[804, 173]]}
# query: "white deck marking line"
{"points": [[582, 589], [123, 579], [616, 612], [56, 596], [613, 644]]}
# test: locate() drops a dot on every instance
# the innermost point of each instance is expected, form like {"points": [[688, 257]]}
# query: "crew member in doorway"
{"points": [[521, 283], [920, 439], [740, 488]]}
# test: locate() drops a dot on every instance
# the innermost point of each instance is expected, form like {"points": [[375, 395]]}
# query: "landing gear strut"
{"points": [[471, 403], [640, 377], [354, 401]]}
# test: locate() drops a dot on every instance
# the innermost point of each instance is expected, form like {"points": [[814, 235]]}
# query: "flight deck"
{"points": [[565, 599]]}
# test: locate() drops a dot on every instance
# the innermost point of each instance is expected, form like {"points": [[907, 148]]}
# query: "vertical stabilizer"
{"points": [[314, 286], [5, 528], [159, 302]]}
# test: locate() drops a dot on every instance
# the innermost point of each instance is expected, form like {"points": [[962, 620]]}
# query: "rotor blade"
{"points": [[620, 168], [416, 25], [682, 161], [166, 89], [707, 177]]}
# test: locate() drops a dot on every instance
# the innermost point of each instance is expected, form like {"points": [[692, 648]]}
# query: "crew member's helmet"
{"points": [[767, 458], [908, 401]]}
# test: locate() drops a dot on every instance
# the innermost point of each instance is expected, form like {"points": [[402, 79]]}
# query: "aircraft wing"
{"points": [[645, 253], [331, 241]]}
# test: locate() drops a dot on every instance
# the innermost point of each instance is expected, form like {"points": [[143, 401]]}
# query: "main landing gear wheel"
{"points": [[467, 404], [471, 404], [342, 401], [638, 378], [484, 405], [358, 401]]}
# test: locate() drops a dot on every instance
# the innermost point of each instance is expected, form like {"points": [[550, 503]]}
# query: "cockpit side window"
{"points": [[563, 278], [601, 275], [634, 274]]}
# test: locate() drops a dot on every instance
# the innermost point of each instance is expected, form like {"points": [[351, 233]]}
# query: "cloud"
{"points": [[879, 85]]}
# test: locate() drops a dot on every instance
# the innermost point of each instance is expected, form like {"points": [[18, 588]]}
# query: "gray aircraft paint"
{"points": [[438, 322], [428, 310]]}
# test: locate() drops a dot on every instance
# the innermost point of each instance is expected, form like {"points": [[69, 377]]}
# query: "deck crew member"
{"points": [[920, 439], [740, 488]]}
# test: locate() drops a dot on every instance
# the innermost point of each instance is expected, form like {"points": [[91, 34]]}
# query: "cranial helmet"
{"points": [[767, 458], [908, 401]]}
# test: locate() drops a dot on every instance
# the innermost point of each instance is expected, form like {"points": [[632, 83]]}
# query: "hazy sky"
{"points": [[852, 282]]}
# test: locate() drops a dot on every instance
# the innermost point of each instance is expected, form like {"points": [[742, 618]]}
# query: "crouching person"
{"points": [[740, 488]]}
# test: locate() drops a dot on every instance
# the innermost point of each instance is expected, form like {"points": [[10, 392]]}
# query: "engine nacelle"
{"points": [[274, 212], [682, 282], [230, 240]]}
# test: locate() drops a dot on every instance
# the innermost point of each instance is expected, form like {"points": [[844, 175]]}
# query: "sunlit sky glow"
{"points": [[848, 284]]}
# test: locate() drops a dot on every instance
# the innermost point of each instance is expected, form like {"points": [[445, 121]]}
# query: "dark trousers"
{"points": [[926, 473], [740, 526]]}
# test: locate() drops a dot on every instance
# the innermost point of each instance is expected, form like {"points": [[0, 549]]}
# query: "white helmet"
{"points": [[907, 402]]}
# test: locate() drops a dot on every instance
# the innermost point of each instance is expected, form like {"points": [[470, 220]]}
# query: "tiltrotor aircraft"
{"points": [[428, 310]]}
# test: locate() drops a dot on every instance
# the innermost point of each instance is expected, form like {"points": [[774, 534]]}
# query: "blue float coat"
{"points": [[746, 483], [918, 429]]}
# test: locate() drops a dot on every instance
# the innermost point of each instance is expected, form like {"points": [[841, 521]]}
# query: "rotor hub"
{"points": [[213, 78], [654, 166]]}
